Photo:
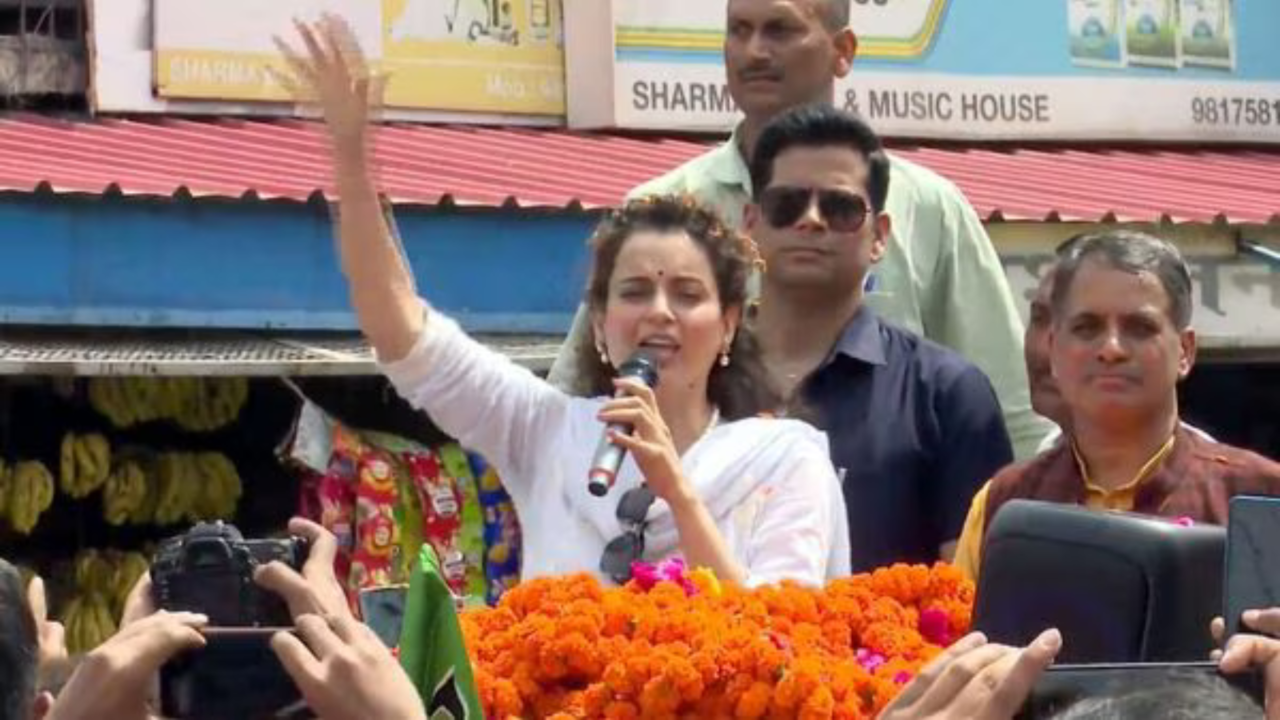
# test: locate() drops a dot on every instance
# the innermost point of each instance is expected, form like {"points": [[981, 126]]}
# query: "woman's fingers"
{"points": [[635, 388]]}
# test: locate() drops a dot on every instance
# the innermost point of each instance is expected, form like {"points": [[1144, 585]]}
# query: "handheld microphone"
{"points": [[604, 468]]}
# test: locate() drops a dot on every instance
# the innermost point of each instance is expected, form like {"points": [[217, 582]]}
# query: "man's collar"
{"points": [[1148, 468], [727, 165], [861, 339]]}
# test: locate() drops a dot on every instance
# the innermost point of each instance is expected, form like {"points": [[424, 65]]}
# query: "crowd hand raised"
{"points": [[345, 672], [1263, 653], [51, 634], [331, 71], [649, 441], [1266, 622], [316, 589], [114, 680], [975, 680]]}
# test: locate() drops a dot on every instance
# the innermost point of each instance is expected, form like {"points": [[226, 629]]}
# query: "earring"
{"points": [[724, 359], [604, 357]]}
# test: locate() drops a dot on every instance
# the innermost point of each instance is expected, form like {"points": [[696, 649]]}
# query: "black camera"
{"points": [[209, 570]]}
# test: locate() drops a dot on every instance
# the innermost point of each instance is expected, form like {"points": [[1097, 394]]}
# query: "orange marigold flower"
{"points": [[821, 704], [568, 648], [621, 711], [754, 703]]}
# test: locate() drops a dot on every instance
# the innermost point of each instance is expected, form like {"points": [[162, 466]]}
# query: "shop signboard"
{"points": [[1175, 70]]}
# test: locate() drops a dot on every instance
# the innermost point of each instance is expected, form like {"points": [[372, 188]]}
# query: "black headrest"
{"points": [[1121, 587]]}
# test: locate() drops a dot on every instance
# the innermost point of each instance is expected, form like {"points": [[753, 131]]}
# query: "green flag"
{"points": [[432, 651]]}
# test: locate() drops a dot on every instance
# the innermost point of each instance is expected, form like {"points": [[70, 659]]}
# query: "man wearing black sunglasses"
{"points": [[940, 275], [915, 427]]}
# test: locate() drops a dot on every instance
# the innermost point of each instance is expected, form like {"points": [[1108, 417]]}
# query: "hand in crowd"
{"points": [[345, 672], [1266, 622], [115, 680], [975, 680], [50, 633], [342, 668], [316, 591], [1247, 651]]}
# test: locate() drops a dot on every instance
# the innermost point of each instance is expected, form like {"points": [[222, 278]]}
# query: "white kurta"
{"points": [[768, 483]]}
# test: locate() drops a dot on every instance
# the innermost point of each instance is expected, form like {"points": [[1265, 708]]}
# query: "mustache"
{"points": [[760, 71]]}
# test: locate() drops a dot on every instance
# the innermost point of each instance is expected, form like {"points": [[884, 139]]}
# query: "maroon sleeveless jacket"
{"points": [[1196, 479]]}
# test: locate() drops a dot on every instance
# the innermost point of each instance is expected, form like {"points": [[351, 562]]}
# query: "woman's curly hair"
{"points": [[744, 388]]}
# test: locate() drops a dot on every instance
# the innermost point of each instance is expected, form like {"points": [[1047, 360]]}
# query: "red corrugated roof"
{"points": [[274, 159]]}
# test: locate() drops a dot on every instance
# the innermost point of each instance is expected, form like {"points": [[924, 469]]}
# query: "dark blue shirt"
{"points": [[916, 430]]}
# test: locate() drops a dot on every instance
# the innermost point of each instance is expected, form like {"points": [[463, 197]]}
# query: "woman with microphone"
{"points": [[706, 477]]}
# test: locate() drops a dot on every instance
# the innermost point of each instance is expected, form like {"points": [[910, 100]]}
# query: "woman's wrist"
{"points": [[351, 153], [683, 500]]}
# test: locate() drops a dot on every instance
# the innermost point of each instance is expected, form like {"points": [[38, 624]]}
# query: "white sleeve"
{"points": [[801, 534], [479, 397]]}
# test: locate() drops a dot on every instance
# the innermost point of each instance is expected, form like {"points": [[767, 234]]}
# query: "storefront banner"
{"points": [[490, 56], [1185, 70]]}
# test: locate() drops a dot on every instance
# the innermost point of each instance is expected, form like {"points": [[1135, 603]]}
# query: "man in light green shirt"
{"points": [[940, 276]]}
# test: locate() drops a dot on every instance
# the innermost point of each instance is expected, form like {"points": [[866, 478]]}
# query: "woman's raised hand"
{"points": [[331, 71]]}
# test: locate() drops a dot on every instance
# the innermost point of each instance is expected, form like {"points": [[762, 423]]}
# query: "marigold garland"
{"points": [[568, 648]]}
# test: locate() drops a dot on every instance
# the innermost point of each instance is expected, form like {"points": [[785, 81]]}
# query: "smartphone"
{"points": [[1061, 686], [383, 611], [235, 676], [1253, 558]]}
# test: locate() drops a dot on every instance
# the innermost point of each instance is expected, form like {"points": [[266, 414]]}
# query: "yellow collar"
{"points": [[1145, 472]]}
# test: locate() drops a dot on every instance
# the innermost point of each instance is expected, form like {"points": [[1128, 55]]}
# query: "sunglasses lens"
{"points": [[844, 211], [619, 554], [633, 506], [783, 206]]}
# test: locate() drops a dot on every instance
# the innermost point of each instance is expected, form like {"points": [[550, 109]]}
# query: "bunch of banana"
{"points": [[102, 581], [221, 487], [212, 403], [109, 397], [128, 567], [88, 621], [31, 493], [129, 401], [178, 488], [93, 572], [125, 493], [196, 404], [85, 464]]}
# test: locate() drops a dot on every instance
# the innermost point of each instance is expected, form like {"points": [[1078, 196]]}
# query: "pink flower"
{"points": [[672, 570], [902, 678], [935, 627], [870, 660], [779, 641]]}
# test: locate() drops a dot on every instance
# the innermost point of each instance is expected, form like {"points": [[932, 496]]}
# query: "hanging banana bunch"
{"points": [[125, 492], [129, 566], [31, 493], [195, 404], [85, 464], [220, 487], [88, 617], [102, 582], [212, 403]]}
